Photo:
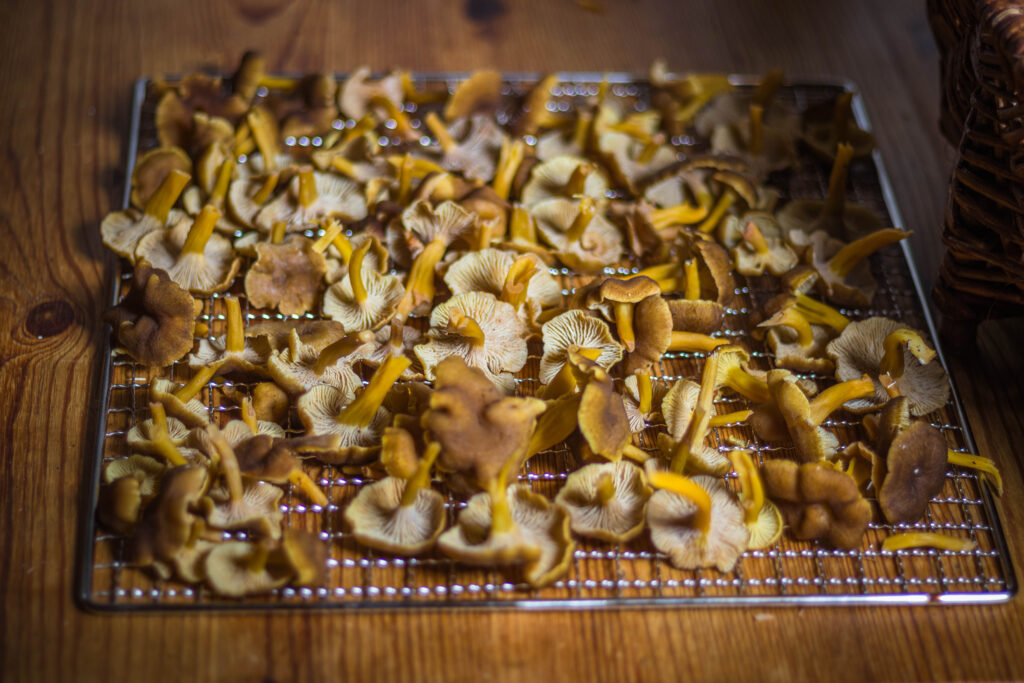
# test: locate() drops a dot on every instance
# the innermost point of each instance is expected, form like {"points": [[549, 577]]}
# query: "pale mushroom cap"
{"points": [[678, 405], [619, 519], [631, 400], [600, 245], [240, 199], [383, 294], [227, 574], [476, 155], [471, 542], [622, 152], [355, 93], [859, 350], [575, 327], [504, 349], [140, 436], [257, 509], [857, 288], [193, 413], [122, 230], [251, 358], [319, 407], [205, 273], [447, 220], [147, 471], [732, 108], [485, 271], [380, 521], [670, 517], [548, 178], [556, 143], [298, 375], [338, 197]]}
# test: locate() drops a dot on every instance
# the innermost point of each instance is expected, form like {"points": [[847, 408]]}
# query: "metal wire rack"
{"points": [[601, 575]]}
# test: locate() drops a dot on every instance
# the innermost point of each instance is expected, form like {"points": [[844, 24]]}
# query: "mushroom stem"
{"points": [[234, 339], [682, 486], [256, 560], [344, 247], [304, 483], [344, 167], [510, 159], [339, 349], [751, 486], [792, 318], [395, 113], [841, 117], [987, 467], [693, 342], [692, 276], [522, 227], [220, 188], [484, 234], [648, 151], [355, 272], [249, 415], [636, 454], [585, 214], [660, 271], [767, 88], [624, 324], [517, 281], [265, 189], [331, 230], [307, 188], [821, 313], [746, 385], [361, 411], [201, 230], [578, 180], [564, 382], [420, 283], [187, 392], [680, 214], [444, 138], [605, 488], [277, 231], [421, 476], [726, 419], [847, 258], [892, 361], [555, 424], [701, 418], [411, 94], [161, 436], [926, 539], [830, 400], [265, 135], [753, 236], [501, 513], [364, 125], [161, 201], [644, 390], [756, 144], [889, 384], [722, 204], [581, 129], [465, 326], [228, 464], [836, 199]]}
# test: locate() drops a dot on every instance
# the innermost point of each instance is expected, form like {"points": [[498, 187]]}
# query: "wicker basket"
{"points": [[982, 274]]}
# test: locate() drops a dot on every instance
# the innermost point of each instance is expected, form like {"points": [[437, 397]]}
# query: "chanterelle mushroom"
{"points": [[155, 321], [845, 276], [642, 318], [286, 276], [122, 230], [564, 178], [240, 505], [606, 501], [471, 146], [582, 238], [365, 299], [578, 331], [232, 352], [301, 367], [311, 197], [522, 281], [761, 516]]}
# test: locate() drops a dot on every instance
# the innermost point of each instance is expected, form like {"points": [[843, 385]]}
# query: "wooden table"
{"points": [[65, 75]]}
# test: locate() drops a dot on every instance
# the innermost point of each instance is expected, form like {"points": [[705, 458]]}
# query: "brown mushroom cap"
{"points": [[276, 334], [380, 521], [285, 276], [155, 321], [304, 555], [818, 501], [812, 442], [167, 522], [152, 167], [119, 504], [602, 416], [915, 467], [606, 501]]}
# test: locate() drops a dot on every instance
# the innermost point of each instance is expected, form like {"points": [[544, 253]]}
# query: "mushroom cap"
{"points": [[294, 370], [624, 156], [556, 143], [337, 197], [653, 322], [355, 93], [702, 316], [857, 288], [778, 151], [670, 518], [485, 271], [767, 528], [118, 504], [155, 321], [600, 245], [615, 290], [476, 154], [631, 400], [859, 350], [277, 334], [146, 471], [714, 270], [733, 108], [193, 413], [504, 347], [140, 437], [166, 524], [376, 258], [319, 408], [916, 473], [809, 215], [227, 571], [615, 520], [447, 221], [480, 92], [549, 178], [122, 230], [285, 276], [602, 415], [817, 501], [252, 359], [812, 442], [304, 555], [383, 294], [240, 202], [678, 405], [211, 271], [258, 509], [791, 355], [152, 167], [478, 427], [380, 521], [575, 328]]}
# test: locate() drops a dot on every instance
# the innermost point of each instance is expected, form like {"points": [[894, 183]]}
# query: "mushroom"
{"points": [[118, 505], [521, 281], [575, 330], [642, 318], [152, 168], [301, 367], [402, 516], [365, 299], [276, 334], [601, 415], [480, 329], [248, 195], [180, 402], [168, 526], [122, 230], [606, 501], [145, 471], [837, 217], [692, 313], [581, 237], [196, 103], [818, 502], [879, 346], [238, 568], [642, 399], [263, 457], [759, 252], [761, 516], [358, 94], [492, 215], [924, 539], [764, 148], [287, 276], [480, 92], [696, 522], [729, 107], [343, 248], [359, 422], [796, 342], [471, 146], [633, 159], [232, 352], [311, 197], [564, 177], [155, 321], [193, 256], [534, 112], [825, 135], [308, 108], [687, 408], [845, 276]]}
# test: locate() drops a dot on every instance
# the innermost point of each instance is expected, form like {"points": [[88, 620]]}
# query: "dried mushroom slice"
{"points": [[312, 197], [879, 346], [193, 256], [606, 501], [122, 230], [155, 321], [580, 236], [696, 522], [485, 332]]}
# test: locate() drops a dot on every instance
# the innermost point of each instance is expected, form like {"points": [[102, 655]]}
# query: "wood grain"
{"points": [[65, 76]]}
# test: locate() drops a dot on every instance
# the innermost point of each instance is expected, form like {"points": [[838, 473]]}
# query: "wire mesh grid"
{"points": [[601, 574]]}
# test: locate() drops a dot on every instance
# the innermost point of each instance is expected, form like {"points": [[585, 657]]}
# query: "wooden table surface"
{"points": [[66, 70]]}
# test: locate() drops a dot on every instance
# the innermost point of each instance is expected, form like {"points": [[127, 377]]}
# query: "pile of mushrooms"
{"points": [[431, 290]]}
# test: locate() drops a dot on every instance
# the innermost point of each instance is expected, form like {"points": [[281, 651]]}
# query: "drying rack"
{"points": [[601, 575]]}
